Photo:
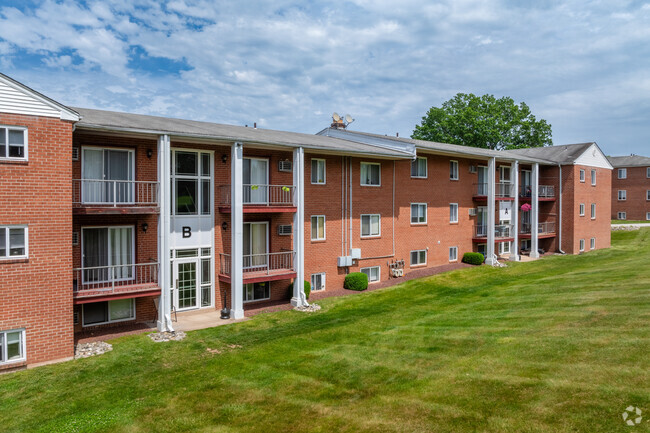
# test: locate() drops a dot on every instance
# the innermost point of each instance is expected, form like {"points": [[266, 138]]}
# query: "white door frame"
{"points": [[197, 284]]}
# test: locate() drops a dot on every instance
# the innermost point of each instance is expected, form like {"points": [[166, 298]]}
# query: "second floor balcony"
{"points": [[501, 231], [260, 198], [92, 284], [544, 229], [98, 196], [261, 267], [502, 191], [544, 192]]}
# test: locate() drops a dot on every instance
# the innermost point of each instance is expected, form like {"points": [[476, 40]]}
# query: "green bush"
{"points": [[473, 258], [356, 281], [307, 288]]}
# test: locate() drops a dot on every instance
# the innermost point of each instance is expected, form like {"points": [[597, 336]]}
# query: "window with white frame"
{"points": [[257, 291], [582, 244], [593, 210], [370, 174], [419, 167], [647, 216], [192, 180], [582, 175], [107, 175], [13, 142], [453, 212], [593, 177], [504, 248], [99, 313], [317, 171], [622, 215], [12, 346], [418, 257], [453, 254], [453, 170], [370, 225], [647, 172], [13, 242], [107, 253], [372, 273], [622, 173], [318, 282], [592, 243], [647, 194], [418, 213], [318, 227], [622, 194], [504, 174], [582, 209]]}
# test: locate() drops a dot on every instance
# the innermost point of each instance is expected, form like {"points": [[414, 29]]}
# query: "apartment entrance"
{"points": [[185, 278]]}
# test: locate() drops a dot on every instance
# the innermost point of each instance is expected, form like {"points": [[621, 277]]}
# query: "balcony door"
{"points": [[256, 245], [255, 180], [526, 183], [107, 254], [107, 176], [482, 181], [481, 221]]}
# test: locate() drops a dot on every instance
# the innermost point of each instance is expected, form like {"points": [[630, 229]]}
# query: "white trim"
{"points": [[131, 153], [623, 196], [455, 250], [647, 194], [7, 128], [311, 172], [583, 175], [311, 227], [593, 211], [3, 347], [371, 235], [451, 221], [64, 112], [108, 307], [199, 179], [456, 169], [426, 211], [592, 243], [108, 253], [647, 172], [621, 215], [311, 281], [426, 168], [581, 245], [7, 229], [369, 163], [593, 177], [647, 216], [369, 269], [426, 254], [581, 209], [623, 172]]}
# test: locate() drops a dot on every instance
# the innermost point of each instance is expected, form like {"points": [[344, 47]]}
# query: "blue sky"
{"points": [[584, 66]]}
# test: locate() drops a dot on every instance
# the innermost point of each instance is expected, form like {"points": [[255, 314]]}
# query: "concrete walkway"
{"points": [[201, 319]]}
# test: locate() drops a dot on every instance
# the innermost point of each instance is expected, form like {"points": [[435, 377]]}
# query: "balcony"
{"points": [[502, 191], [93, 284], [501, 232], [261, 267], [260, 198], [544, 192], [96, 196], [544, 230]]}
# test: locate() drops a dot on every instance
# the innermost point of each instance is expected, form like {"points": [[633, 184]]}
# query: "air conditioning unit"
{"points": [[75, 154], [473, 168], [284, 229], [285, 165], [75, 239], [355, 253], [75, 318], [472, 211], [344, 261]]}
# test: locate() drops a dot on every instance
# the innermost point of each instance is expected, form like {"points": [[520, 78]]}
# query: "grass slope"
{"points": [[561, 344]]}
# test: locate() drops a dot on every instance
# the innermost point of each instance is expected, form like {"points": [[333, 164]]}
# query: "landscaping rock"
{"points": [[627, 227], [160, 337], [84, 350], [309, 308]]}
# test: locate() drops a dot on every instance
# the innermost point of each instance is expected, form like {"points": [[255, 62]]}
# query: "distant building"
{"points": [[630, 188]]}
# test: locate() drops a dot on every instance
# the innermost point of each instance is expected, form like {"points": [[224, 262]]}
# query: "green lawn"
{"points": [[561, 344]]}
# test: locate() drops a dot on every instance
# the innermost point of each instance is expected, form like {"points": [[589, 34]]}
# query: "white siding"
{"points": [[17, 100], [593, 157]]}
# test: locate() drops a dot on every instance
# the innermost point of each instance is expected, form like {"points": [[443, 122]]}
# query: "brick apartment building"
{"points": [[111, 219], [630, 188]]}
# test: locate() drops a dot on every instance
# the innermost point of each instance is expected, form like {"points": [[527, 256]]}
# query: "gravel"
{"points": [[309, 308], [161, 337], [85, 350]]}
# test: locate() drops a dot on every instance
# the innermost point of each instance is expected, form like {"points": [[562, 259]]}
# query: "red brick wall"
{"points": [[637, 185], [36, 293]]}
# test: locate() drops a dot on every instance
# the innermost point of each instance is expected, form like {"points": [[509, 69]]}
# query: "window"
{"points": [[582, 175], [622, 215], [419, 167], [453, 212], [12, 346], [257, 291], [593, 210], [647, 216], [582, 244], [453, 170], [98, 313], [318, 171], [504, 174], [107, 175], [107, 253], [647, 172], [372, 273], [318, 282], [418, 257], [318, 227], [13, 142], [647, 194], [370, 174], [593, 177], [622, 173], [592, 243], [370, 225], [13, 242], [504, 248], [192, 183], [453, 254], [622, 194], [418, 213], [582, 209]]}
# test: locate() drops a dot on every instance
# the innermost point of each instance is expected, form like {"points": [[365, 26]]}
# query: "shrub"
{"points": [[473, 258], [356, 281], [307, 289]]}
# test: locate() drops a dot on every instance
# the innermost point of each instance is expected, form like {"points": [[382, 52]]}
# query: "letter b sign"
{"points": [[187, 232]]}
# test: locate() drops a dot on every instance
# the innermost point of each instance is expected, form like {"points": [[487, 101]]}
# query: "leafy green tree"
{"points": [[484, 121]]}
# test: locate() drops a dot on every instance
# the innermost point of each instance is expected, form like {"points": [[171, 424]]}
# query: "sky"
{"points": [[584, 66]]}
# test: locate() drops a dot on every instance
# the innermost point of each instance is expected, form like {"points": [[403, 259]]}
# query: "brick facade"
{"points": [[637, 194]]}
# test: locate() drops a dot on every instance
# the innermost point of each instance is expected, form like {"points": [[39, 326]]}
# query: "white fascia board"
{"points": [[593, 157], [64, 112]]}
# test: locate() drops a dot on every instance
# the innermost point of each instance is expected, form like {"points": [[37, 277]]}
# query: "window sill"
{"points": [[419, 224], [455, 180], [419, 177], [13, 365], [453, 223], [376, 186], [419, 266], [13, 261], [318, 241], [371, 237], [8, 161]]}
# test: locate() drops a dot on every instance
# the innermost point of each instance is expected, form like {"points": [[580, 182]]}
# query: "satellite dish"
{"points": [[349, 118], [336, 117]]}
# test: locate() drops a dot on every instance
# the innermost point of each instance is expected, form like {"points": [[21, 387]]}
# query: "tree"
{"points": [[485, 122]]}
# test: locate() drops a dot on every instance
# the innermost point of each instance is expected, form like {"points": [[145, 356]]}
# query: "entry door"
{"points": [[255, 179], [482, 181], [186, 284], [255, 245], [481, 221]]}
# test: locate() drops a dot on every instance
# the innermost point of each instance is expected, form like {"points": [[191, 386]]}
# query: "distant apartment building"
{"points": [[630, 188], [112, 219]]}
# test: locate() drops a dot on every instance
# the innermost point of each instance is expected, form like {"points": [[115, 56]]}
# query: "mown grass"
{"points": [[561, 344]]}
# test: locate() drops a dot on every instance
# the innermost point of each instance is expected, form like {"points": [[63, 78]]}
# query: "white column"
{"points": [[514, 173], [534, 212], [237, 231], [491, 209], [164, 232], [298, 299]]}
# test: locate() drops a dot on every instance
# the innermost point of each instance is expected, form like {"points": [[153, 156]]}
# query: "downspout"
{"points": [[350, 209], [343, 178], [559, 223]]}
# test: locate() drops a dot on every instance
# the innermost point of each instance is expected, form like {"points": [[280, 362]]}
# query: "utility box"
{"points": [[344, 261], [355, 253]]}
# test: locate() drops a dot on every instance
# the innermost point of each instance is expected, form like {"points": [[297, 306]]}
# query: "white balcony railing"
{"points": [[502, 189], [97, 192], [262, 263], [500, 231], [267, 195], [544, 228], [544, 191], [106, 279]]}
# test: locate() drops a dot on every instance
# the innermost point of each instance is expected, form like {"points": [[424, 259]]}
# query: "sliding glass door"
{"points": [[255, 180], [255, 245], [107, 254], [107, 176]]}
